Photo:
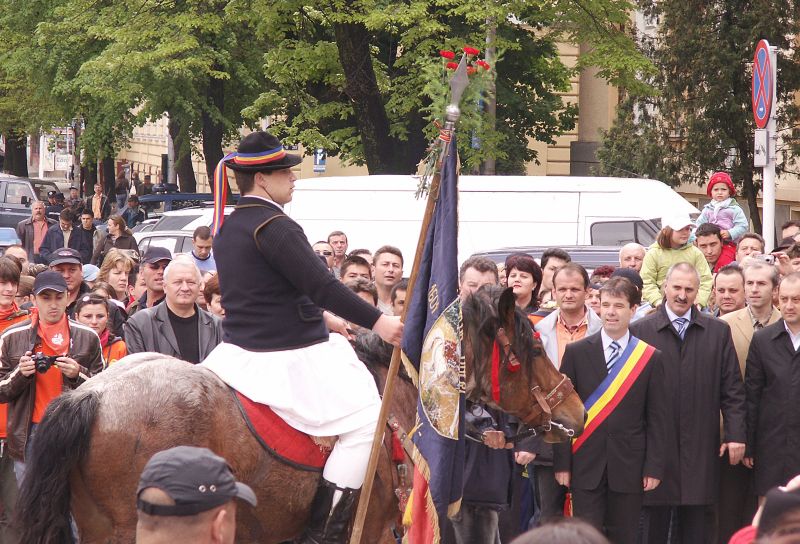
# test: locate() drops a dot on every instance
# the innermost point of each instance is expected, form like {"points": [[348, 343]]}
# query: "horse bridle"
{"points": [[542, 404]]}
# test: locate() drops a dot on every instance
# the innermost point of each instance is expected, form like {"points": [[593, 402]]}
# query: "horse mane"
{"points": [[374, 352], [481, 321]]}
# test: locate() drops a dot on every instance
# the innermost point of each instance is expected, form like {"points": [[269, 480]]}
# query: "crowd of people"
{"points": [[684, 354]]}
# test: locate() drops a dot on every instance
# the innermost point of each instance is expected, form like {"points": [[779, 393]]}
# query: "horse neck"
{"points": [[403, 403]]}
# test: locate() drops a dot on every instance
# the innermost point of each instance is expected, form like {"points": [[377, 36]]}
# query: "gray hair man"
{"points": [[178, 327], [702, 379], [632, 256]]}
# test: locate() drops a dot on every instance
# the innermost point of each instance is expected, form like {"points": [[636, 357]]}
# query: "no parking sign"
{"points": [[763, 84]]}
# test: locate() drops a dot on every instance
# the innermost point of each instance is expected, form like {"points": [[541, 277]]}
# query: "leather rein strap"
{"points": [[541, 404]]}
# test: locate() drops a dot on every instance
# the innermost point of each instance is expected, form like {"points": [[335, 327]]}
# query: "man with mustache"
{"points": [[702, 378]]}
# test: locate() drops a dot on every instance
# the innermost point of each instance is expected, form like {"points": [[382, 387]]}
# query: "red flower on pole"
{"points": [[471, 50], [449, 55], [471, 70], [452, 65], [483, 64]]}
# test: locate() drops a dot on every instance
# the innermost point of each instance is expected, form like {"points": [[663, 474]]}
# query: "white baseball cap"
{"points": [[677, 221]]}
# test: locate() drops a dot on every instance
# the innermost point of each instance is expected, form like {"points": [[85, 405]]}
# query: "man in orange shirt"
{"points": [[10, 314], [39, 359], [570, 322]]}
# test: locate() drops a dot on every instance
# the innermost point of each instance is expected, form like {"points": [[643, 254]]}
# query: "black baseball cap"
{"points": [[51, 194], [629, 274], [155, 254], [777, 503], [49, 280], [195, 478], [65, 255]]}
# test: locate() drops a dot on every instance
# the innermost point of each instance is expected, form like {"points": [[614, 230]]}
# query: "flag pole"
{"points": [[458, 83]]}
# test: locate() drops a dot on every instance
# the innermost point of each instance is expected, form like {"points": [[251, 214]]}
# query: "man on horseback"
{"points": [[276, 348]]}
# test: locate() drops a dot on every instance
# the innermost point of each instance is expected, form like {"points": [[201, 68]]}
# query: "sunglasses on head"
{"points": [[326, 253]]}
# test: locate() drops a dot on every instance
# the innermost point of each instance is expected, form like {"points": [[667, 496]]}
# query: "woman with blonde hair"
{"points": [[119, 236], [672, 247], [115, 270]]}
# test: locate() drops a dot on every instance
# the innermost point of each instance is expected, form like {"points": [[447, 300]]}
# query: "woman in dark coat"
{"points": [[119, 237]]}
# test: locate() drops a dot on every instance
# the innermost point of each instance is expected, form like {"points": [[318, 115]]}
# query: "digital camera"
{"points": [[43, 362]]}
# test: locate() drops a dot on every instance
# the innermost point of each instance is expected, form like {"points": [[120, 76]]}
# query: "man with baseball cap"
{"points": [[154, 263], [277, 349], [187, 494], [67, 262], [38, 362]]}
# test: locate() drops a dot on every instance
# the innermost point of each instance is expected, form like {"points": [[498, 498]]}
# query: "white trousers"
{"points": [[320, 390]]}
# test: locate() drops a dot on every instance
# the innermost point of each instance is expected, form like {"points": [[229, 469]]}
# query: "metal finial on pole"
{"points": [[458, 83]]}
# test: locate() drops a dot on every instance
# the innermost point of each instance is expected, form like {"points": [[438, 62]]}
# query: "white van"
{"points": [[494, 211]]}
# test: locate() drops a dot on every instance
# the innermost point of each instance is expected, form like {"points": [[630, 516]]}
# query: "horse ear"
{"points": [[506, 310]]}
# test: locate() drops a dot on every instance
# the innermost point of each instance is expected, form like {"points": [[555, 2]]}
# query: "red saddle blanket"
{"points": [[278, 438]]}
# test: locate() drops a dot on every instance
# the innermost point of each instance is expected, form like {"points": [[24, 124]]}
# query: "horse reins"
{"points": [[542, 404]]}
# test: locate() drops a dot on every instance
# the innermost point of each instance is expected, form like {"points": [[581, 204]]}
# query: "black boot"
{"points": [[329, 525]]}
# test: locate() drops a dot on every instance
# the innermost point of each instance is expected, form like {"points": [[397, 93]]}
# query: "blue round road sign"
{"points": [[762, 84]]}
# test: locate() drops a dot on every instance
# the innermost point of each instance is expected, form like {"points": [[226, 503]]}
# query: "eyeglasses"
{"points": [[326, 253]]}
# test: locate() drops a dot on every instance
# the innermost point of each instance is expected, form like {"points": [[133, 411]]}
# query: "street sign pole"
{"points": [[769, 170], [764, 99]]}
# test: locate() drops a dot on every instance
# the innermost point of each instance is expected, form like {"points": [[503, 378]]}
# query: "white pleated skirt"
{"points": [[321, 390]]}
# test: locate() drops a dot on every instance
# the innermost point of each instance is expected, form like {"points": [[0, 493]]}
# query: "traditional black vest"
{"points": [[263, 310]]}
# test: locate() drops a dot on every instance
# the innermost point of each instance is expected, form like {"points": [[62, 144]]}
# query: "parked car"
{"points": [[176, 241], [187, 219], [17, 195], [157, 204], [515, 210], [590, 257], [8, 237]]}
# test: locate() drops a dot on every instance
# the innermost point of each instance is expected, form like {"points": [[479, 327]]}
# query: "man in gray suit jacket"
{"points": [[178, 327]]}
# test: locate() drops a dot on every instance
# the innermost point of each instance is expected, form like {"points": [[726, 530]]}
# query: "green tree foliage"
{"points": [[355, 78], [352, 77], [701, 118]]}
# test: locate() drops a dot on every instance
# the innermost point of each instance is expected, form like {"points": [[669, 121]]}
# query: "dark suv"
{"points": [[17, 195]]}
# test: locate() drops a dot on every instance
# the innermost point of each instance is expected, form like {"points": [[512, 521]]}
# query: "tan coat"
{"points": [[742, 332]]}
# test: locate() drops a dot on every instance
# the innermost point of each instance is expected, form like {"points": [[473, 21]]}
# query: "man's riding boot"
{"points": [[329, 523]]}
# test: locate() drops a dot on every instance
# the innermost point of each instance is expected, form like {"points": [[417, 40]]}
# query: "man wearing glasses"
{"points": [[154, 262]]}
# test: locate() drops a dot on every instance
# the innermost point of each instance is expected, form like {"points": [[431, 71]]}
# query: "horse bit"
{"points": [[543, 404]]}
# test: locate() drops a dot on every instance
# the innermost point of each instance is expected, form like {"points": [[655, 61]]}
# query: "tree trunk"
{"points": [[109, 177], [183, 156], [16, 160], [380, 150], [89, 175], [213, 130]]}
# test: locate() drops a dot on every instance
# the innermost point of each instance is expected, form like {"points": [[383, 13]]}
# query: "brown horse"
{"points": [[94, 441]]}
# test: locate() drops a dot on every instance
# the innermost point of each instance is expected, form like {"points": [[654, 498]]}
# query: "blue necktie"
{"points": [[615, 348], [680, 324]]}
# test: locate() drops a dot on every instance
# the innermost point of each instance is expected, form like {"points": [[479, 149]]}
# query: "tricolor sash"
{"points": [[614, 387]]}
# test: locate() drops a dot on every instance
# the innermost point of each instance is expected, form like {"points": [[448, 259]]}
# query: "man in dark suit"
{"points": [[772, 381], [622, 453], [702, 377]]}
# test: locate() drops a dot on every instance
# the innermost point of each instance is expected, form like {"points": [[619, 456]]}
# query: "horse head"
{"points": [[507, 368]]}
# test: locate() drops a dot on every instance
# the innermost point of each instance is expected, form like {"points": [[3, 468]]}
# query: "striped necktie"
{"points": [[612, 358], [680, 326]]}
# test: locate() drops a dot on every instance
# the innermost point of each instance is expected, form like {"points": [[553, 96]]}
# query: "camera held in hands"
{"points": [[43, 362], [770, 259]]}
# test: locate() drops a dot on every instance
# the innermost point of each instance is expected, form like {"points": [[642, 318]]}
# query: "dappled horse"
{"points": [[94, 442]]}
